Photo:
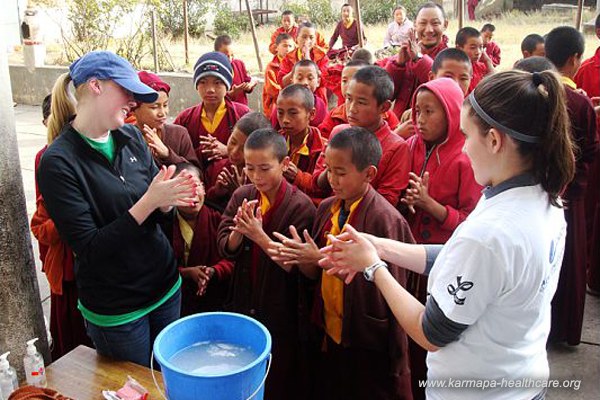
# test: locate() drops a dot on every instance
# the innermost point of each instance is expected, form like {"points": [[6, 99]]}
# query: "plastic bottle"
{"points": [[8, 377], [34, 366]]}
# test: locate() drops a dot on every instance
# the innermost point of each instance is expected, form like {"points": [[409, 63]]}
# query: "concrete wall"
{"points": [[31, 87]]}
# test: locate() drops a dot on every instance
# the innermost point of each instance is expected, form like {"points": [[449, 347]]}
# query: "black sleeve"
{"points": [[71, 212], [439, 329], [431, 253]]}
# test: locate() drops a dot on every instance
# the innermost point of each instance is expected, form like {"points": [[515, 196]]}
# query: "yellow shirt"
{"points": [[569, 82], [332, 288], [211, 126], [187, 232], [302, 150], [264, 203], [348, 24]]}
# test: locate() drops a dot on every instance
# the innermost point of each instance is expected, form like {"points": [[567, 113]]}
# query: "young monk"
{"points": [[289, 26], [469, 40], [192, 233], [410, 68], [450, 63], [533, 45], [295, 109], [367, 99], [285, 43], [261, 288], [364, 354], [564, 47], [337, 115], [242, 82], [346, 29], [489, 45], [442, 190], [306, 73], [169, 143], [228, 174], [211, 122], [306, 50], [588, 79]]}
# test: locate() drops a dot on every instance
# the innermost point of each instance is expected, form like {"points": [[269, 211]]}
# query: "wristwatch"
{"points": [[369, 272]]}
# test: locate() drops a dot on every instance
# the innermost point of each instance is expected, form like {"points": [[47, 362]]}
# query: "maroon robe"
{"points": [[263, 290], [181, 150], [372, 360], [191, 118], [203, 251], [569, 299], [240, 75]]}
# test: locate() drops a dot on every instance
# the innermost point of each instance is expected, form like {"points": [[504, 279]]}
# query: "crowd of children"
{"points": [[231, 207]]}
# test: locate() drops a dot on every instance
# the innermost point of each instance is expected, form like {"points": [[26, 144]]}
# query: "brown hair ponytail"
{"points": [[534, 105], [62, 108]]}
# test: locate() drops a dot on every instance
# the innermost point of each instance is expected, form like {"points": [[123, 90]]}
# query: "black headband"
{"points": [[492, 122]]}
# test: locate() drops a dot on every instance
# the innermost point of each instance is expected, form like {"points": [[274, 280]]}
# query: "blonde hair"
{"points": [[62, 107]]}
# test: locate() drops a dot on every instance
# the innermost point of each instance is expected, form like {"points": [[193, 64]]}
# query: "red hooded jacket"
{"points": [[451, 179]]}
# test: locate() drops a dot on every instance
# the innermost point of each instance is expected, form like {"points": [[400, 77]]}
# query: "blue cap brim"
{"points": [[140, 91]]}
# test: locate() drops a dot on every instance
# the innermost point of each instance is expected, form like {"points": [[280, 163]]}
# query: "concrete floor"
{"points": [[566, 363]]}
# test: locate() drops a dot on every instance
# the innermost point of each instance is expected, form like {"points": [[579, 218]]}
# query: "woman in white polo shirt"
{"points": [[487, 317]]}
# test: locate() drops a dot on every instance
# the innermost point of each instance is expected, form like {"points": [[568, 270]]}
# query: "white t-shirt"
{"points": [[498, 274]]}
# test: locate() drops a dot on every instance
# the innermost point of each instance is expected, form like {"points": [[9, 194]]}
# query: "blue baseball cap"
{"points": [[106, 65]]}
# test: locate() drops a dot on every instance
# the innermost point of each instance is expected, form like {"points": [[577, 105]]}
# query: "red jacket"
{"points": [[272, 87], [318, 56], [480, 70], [337, 116], [240, 75], [588, 75], [451, 179], [406, 80], [191, 119], [493, 50], [392, 171]]}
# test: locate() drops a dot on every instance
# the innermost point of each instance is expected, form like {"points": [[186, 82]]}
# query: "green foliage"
{"points": [[231, 23], [170, 16], [93, 23], [318, 11], [380, 11]]}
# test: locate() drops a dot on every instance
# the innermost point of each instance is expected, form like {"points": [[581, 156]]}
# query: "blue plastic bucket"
{"points": [[232, 328]]}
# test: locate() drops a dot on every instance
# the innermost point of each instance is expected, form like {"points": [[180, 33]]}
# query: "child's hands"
{"points": [[236, 89], [157, 147], [417, 194], [291, 172], [293, 251], [248, 221], [405, 129], [200, 275], [212, 148], [229, 180]]}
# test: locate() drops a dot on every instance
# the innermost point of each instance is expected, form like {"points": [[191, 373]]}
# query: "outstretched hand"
{"points": [[293, 250], [348, 253]]}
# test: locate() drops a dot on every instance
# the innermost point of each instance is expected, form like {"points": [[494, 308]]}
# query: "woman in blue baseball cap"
{"points": [[106, 197]]}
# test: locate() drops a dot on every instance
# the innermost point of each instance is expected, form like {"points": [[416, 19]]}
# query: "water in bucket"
{"points": [[213, 358]]}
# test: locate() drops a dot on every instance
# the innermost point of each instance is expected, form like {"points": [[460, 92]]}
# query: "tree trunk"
{"points": [[21, 315]]}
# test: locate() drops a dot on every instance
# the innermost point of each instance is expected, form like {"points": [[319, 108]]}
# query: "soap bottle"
{"points": [[34, 366], [8, 377]]}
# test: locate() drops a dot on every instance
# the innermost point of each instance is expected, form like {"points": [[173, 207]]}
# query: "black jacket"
{"points": [[120, 266]]}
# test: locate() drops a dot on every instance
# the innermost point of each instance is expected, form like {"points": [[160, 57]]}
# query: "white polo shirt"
{"points": [[498, 274]]}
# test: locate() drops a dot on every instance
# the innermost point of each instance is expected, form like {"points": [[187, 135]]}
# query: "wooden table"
{"points": [[82, 375]]}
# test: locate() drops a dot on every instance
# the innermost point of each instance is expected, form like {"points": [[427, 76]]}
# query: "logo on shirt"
{"points": [[460, 286], [132, 159]]}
